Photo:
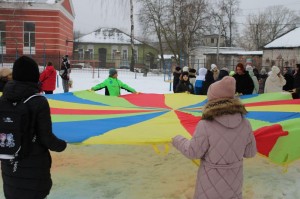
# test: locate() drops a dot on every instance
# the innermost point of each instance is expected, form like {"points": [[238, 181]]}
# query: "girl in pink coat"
{"points": [[221, 140], [48, 79]]}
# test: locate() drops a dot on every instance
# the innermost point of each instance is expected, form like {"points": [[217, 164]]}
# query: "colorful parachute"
{"points": [[89, 118]]}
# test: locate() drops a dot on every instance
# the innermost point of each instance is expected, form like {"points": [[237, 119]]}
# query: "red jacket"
{"points": [[48, 79]]}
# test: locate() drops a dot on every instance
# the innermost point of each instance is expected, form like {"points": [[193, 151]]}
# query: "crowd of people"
{"points": [[224, 113], [248, 79]]}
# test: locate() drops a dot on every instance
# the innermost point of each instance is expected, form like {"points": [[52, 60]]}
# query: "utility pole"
{"points": [[220, 30], [132, 37]]}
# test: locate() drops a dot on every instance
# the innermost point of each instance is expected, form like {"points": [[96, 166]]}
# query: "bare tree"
{"points": [[267, 26], [177, 23]]}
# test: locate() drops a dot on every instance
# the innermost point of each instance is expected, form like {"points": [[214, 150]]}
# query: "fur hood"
{"points": [[222, 106]]}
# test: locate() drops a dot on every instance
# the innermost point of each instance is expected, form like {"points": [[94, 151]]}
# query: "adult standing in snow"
{"points": [[113, 85], [176, 77], [64, 72], [221, 140], [244, 83], [48, 79], [275, 81]]}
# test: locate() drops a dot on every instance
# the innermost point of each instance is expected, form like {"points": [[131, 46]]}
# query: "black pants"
{"points": [[48, 92]]}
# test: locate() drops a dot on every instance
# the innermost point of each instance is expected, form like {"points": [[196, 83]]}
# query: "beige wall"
{"points": [[281, 57]]}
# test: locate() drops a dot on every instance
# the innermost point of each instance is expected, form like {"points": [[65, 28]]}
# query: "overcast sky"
{"points": [[92, 14]]}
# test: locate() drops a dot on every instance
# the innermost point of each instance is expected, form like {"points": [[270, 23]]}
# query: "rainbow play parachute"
{"points": [[89, 118]]}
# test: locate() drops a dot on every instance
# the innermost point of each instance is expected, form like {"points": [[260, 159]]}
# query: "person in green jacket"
{"points": [[113, 85]]}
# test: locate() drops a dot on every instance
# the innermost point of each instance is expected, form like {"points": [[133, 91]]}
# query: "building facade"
{"points": [[38, 29], [283, 51], [110, 47]]}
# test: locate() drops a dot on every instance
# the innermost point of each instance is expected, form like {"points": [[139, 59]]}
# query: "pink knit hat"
{"points": [[225, 88]]}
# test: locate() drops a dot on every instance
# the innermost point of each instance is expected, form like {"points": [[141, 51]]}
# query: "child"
{"points": [[184, 85], [221, 140]]}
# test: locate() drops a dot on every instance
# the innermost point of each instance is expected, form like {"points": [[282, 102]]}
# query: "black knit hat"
{"points": [[25, 69], [185, 73]]}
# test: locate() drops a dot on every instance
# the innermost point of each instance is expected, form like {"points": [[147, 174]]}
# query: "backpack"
{"points": [[14, 124]]}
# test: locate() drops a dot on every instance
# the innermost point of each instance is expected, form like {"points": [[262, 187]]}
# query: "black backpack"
{"points": [[14, 124]]}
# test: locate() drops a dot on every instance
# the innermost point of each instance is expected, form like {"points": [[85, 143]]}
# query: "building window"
{"points": [[80, 54], [136, 54], [90, 53], [125, 54], [2, 33], [29, 34], [212, 40]]}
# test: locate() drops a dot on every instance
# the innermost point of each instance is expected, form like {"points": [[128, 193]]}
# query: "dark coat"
{"points": [[244, 83], [2, 84], [32, 179], [209, 79], [185, 86], [297, 80], [222, 74], [176, 79], [289, 82]]}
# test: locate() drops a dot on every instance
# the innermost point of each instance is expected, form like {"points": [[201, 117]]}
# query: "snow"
{"points": [[288, 40], [107, 36], [137, 172], [238, 53]]}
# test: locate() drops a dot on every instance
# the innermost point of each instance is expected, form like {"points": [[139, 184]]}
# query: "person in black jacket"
{"points": [[32, 178], [176, 77], [296, 90], [65, 70], [184, 85], [287, 74], [244, 83]]}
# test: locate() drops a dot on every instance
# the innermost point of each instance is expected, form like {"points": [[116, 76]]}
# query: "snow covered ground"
{"points": [[137, 172]]}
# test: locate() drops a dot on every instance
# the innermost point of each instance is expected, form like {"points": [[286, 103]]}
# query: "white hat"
{"points": [[213, 66], [248, 68], [275, 70]]}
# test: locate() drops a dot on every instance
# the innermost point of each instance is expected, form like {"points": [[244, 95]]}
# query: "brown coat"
{"points": [[221, 141]]}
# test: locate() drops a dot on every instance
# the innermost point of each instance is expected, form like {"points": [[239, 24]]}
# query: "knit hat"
{"points": [[185, 73], [186, 68], [177, 68], [275, 70], [213, 66], [25, 69], [112, 72], [225, 88]]}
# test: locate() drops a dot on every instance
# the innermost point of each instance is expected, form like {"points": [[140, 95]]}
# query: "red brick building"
{"points": [[38, 29]]}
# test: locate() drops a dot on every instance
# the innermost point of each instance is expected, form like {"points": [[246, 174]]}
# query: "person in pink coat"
{"points": [[221, 140], [48, 79]]}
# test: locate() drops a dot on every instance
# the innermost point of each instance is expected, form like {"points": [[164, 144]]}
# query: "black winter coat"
{"points": [[185, 86], [244, 83], [32, 179], [209, 79], [176, 79]]}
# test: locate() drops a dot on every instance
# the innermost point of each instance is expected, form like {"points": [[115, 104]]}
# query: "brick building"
{"points": [[38, 29]]}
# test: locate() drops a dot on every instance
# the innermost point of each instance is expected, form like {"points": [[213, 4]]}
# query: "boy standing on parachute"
{"points": [[113, 85]]}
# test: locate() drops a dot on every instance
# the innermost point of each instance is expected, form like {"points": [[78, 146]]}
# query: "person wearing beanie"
{"points": [[32, 178], [275, 81], [5, 76], [184, 85], [244, 83], [113, 85], [192, 76], [48, 79], [176, 77], [254, 79], [215, 71], [222, 139]]}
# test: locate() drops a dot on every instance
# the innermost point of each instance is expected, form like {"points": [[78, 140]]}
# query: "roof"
{"points": [[237, 53], [288, 40], [107, 36]]}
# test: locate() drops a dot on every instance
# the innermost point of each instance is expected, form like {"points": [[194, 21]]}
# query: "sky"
{"points": [[93, 14]]}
